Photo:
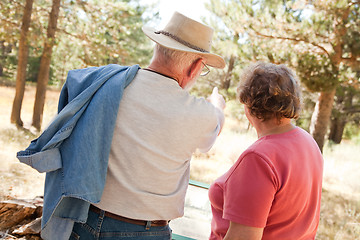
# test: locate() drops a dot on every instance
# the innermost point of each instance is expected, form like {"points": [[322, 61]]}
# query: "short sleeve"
{"points": [[249, 191]]}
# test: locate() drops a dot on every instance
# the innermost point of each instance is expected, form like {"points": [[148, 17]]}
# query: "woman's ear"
{"points": [[195, 68]]}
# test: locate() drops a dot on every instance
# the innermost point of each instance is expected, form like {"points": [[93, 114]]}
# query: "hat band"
{"points": [[181, 41]]}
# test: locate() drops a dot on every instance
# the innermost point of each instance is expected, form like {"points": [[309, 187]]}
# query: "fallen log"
{"points": [[21, 219]]}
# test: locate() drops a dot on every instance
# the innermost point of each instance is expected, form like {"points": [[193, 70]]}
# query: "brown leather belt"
{"points": [[157, 223]]}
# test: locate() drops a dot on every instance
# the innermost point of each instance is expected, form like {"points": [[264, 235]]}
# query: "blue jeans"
{"points": [[101, 227]]}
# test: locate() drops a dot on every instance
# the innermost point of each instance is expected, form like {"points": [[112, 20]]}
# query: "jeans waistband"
{"points": [[154, 223]]}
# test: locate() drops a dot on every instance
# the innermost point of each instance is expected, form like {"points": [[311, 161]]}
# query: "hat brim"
{"points": [[212, 60]]}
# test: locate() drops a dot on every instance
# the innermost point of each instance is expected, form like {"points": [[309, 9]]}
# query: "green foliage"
{"points": [[316, 72], [90, 33], [10, 20], [352, 131], [10, 63], [33, 68], [318, 39], [106, 32]]}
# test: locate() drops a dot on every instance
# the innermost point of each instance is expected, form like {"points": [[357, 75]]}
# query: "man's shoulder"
{"points": [[86, 76], [88, 72]]}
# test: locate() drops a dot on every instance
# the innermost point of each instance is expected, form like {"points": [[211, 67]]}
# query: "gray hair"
{"points": [[174, 57]]}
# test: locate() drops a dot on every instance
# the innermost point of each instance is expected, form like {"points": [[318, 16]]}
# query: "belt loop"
{"points": [[100, 221], [148, 225]]}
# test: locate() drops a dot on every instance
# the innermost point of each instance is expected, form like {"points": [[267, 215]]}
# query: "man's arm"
{"points": [[219, 103], [238, 231]]}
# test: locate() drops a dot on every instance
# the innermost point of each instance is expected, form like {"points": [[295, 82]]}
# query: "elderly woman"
{"points": [[273, 191]]}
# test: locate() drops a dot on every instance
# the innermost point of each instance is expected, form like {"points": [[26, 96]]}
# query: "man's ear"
{"points": [[195, 68]]}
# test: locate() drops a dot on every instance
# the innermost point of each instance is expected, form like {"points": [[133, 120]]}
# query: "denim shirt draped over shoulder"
{"points": [[74, 149]]}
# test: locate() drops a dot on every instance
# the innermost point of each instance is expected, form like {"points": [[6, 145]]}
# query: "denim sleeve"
{"points": [[63, 99], [45, 161]]}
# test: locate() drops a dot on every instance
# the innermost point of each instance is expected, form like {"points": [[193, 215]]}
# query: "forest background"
{"points": [[40, 41]]}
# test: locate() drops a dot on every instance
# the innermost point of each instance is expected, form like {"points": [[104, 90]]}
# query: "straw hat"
{"points": [[185, 34]]}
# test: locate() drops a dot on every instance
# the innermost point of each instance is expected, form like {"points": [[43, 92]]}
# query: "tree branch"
{"points": [[353, 3], [78, 36], [352, 62], [292, 39], [354, 109], [9, 22]]}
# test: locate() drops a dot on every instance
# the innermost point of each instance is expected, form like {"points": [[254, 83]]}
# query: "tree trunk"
{"points": [[321, 117], [22, 63], [2, 57], [43, 75], [226, 81], [337, 129]]}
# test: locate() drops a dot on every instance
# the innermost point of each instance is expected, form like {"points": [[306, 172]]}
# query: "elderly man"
{"points": [[123, 170]]}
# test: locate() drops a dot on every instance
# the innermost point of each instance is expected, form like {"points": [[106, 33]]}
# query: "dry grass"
{"points": [[340, 210], [19, 180]]}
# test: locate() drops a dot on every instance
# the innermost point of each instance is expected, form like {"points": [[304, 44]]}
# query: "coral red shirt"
{"points": [[275, 184]]}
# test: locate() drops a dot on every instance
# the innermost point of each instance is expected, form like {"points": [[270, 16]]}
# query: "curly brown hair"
{"points": [[270, 90]]}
